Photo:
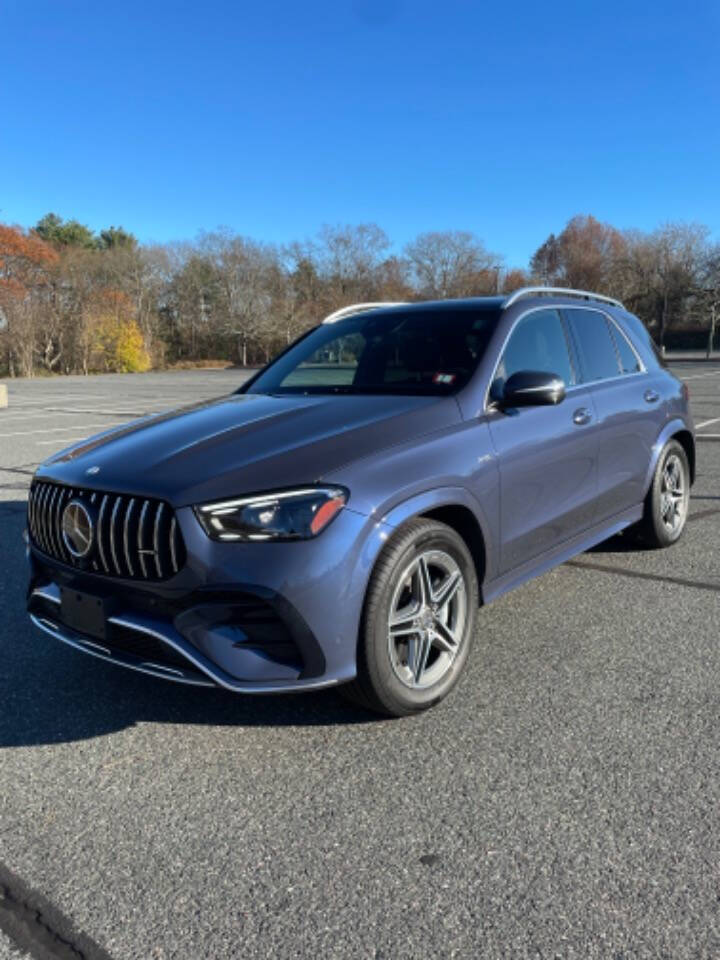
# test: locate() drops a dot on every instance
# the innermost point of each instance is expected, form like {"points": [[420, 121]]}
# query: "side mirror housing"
{"points": [[532, 388]]}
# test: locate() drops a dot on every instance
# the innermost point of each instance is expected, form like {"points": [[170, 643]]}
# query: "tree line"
{"points": [[75, 301]]}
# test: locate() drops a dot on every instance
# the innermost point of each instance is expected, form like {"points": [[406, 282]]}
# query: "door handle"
{"points": [[582, 416], [651, 396]]}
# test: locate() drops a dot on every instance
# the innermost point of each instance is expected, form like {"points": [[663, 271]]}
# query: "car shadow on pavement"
{"points": [[620, 543], [52, 694]]}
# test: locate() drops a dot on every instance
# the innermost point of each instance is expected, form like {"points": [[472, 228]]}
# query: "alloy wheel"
{"points": [[673, 494], [427, 619]]}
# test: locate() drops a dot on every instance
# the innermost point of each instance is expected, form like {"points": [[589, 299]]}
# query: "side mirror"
{"points": [[532, 388]]}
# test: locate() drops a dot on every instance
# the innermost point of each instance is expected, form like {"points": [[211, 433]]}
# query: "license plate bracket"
{"points": [[84, 612]]}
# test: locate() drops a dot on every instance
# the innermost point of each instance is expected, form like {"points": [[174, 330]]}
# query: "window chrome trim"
{"points": [[643, 368], [491, 406]]}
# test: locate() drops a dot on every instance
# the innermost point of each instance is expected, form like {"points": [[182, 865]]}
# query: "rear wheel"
{"points": [[418, 621], [668, 500]]}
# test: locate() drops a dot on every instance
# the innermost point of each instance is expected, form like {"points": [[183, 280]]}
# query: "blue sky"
{"points": [[276, 117]]}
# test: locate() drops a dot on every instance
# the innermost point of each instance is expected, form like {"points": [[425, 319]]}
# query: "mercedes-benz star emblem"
{"points": [[77, 529]]}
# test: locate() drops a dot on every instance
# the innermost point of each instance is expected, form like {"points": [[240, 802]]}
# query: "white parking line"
{"points": [[60, 442], [706, 423], [29, 433], [55, 398], [13, 419], [697, 376]]}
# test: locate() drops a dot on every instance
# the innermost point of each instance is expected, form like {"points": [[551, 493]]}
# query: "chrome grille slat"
{"points": [[126, 536], [141, 539], [43, 518], [48, 517], [101, 534], [156, 539], [67, 496], [52, 521], [129, 531], [57, 523], [113, 552], [173, 544], [37, 512]]}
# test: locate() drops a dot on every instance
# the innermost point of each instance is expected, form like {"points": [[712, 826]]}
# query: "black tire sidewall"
{"points": [[395, 696]]}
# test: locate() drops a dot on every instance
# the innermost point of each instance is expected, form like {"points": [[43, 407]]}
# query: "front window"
{"points": [[537, 343], [397, 351]]}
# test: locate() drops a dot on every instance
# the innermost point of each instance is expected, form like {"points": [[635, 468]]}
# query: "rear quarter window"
{"points": [[640, 336]]}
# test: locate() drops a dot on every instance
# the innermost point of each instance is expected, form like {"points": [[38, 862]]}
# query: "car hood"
{"points": [[245, 443]]}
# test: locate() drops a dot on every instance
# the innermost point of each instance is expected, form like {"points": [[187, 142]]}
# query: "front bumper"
{"points": [[251, 618], [160, 650]]}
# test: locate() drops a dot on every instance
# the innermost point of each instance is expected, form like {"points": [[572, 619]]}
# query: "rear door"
{"points": [[546, 455], [625, 411]]}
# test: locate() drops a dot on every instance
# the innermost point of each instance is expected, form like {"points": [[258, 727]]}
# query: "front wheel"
{"points": [[418, 621], [668, 499]]}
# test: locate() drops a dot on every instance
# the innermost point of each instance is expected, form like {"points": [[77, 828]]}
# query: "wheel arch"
{"points": [[687, 442], [676, 429], [462, 520], [457, 508]]}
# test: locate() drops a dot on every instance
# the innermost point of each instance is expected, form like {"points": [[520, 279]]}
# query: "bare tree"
{"points": [[451, 263], [679, 253], [244, 270], [709, 295], [583, 256]]}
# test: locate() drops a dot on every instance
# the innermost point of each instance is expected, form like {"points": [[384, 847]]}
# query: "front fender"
{"points": [[439, 497]]}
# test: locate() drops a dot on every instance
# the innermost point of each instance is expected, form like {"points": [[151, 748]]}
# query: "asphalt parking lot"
{"points": [[563, 803]]}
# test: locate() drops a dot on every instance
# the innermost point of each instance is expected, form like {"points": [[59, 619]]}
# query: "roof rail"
{"points": [[559, 291], [360, 308]]}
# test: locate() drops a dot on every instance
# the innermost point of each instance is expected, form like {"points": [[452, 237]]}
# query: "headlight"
{"points": [[281, 515]]}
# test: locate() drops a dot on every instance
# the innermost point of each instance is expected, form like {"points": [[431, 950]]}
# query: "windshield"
{"points": [[411, 352]]}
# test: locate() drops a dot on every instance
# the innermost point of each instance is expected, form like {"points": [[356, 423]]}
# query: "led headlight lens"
{"points": [[281, 515]]}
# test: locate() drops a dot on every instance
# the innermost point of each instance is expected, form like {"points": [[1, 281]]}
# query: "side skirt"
{"points": [[565, 551]]}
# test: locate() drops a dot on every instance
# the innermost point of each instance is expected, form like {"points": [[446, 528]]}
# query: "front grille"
{"points": [[134, 538]]}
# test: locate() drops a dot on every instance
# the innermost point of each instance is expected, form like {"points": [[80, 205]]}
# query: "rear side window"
{"points": [[629, 362], [595, 346], [539, 343], [642, 339]]}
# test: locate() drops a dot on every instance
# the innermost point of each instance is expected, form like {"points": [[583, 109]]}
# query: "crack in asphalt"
{"points": [[37, 927]]}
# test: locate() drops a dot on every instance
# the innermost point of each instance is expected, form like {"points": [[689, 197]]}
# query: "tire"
{"points": [[409, 666], [667, 502]]}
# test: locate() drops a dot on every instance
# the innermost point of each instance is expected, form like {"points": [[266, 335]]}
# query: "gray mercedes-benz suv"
{"points": [[342, 516]]}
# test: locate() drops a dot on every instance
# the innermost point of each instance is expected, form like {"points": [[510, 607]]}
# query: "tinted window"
{"points": [[598, 356], [628, 361], [641, 338], [394, 351], [538, 342]]}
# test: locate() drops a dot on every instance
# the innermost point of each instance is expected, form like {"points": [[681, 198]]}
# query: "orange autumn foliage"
{"points": [[22, 255]]}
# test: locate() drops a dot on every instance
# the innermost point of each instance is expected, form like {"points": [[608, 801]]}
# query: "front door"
{"points": [[547, 455]]}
